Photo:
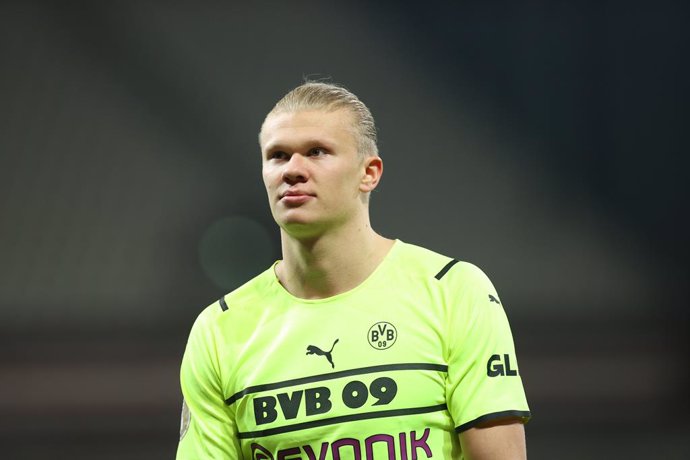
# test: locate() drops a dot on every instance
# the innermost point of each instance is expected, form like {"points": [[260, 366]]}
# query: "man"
{"points": [[353, 346]]}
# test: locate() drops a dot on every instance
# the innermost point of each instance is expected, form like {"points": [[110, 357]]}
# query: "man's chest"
{"points": [[327, 373]]}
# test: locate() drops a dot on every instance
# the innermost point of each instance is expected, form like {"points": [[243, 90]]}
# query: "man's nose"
{"points": [[296, 169]]}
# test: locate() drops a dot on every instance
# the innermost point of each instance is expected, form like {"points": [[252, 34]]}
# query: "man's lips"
{"points": [[295, 197], [294, 193]]}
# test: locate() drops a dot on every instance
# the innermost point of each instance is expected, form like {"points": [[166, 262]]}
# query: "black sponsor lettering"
{"points": [[384, 389], [317, 400], [290, 404], [265, 410], [355, 394], [509, 371], [495, 368]]}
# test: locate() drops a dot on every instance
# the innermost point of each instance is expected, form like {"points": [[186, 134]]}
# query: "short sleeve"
{"points": [[484, 381], [208, 428]]}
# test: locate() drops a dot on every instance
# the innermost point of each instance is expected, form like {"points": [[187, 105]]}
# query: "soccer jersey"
{"points": [[392, 369]]}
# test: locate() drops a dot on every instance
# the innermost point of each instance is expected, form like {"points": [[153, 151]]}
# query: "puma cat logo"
{"points": [[493, 299], [314, 350]]}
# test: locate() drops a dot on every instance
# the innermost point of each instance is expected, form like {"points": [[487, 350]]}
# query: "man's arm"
{"points": [[208, 429], [485, 394], [502, 440]]}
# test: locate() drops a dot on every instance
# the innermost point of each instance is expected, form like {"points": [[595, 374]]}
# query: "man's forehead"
{"points": [[316, 117], [310, 123]]}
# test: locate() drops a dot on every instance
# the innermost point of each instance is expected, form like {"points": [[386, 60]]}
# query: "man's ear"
{"points": [[372, 171]]}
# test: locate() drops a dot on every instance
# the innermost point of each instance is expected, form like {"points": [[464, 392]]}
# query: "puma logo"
{"points": [[314, 350], [493, 299]]}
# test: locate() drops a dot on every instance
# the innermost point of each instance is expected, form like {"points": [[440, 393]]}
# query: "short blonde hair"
{"points": [[331, 97]]}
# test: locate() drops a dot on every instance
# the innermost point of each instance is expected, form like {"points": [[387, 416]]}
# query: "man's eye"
{"points": [[279, 155], [316, 151]]}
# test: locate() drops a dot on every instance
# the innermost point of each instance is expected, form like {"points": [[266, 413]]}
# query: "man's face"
{"points": [[311, 169]]}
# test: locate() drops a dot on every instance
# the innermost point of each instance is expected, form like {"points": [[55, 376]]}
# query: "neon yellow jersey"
{"points": [[393, 369]]}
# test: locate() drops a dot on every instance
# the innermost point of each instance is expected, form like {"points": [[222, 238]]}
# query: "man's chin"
{"points": [[301, 228]]}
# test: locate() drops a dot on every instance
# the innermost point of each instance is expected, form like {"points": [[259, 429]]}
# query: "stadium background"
{"points": [[544, 141]]}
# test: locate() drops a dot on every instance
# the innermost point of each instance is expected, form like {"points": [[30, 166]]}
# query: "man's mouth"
{"points": [[295, 197]]}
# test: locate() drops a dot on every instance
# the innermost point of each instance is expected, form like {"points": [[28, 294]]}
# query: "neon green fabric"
{"points": [[392, 369]]}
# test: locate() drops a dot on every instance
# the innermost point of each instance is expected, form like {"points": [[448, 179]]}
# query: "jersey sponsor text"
{"points": [[318, 400], [406, 445]]}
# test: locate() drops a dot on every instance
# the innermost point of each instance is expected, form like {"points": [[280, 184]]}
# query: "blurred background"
{"points": [[545, 142]]}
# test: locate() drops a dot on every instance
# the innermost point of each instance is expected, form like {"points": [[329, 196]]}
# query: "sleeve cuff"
{"points": [[521, 415]]}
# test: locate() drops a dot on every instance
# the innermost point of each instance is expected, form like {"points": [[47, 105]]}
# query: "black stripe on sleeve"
{"points": [[341, 419], [445, 269], [223, 305], [522, 415]]}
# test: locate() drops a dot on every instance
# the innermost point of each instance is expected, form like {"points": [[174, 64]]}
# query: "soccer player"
{"points": [[353, 345]]}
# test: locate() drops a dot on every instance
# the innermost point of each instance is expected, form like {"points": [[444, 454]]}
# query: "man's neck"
{"points": [[332, 263]]}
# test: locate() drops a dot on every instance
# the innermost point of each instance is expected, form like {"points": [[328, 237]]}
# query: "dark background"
{"points": [[545, 142]]}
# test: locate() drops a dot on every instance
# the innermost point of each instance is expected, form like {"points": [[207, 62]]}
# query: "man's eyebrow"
{"points": [[269, 147], [313, 141]]}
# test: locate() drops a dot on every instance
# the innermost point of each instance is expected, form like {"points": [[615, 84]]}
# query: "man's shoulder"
{"points": [[420, 256], [430, 263], [245, 296], [261, 286]]}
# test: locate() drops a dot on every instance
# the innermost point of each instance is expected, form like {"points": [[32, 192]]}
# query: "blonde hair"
{"points": [[331, 97]]}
